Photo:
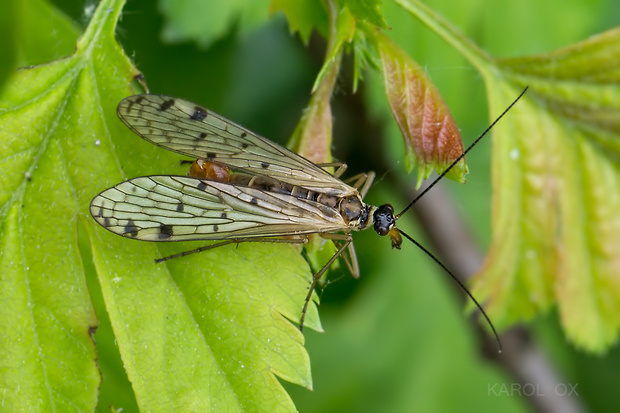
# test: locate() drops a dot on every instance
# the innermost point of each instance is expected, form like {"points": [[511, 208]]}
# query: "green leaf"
{"points": [[368, 11], [206, 332], [556, 180], [207, 21], [33, 32], [341, 31], [564, 168], [42, 33], [363, 55], [47, 356], [8, 53], [303, 16]]}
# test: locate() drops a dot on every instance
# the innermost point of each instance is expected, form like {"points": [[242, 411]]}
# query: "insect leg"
{"points": [[341, 167], [369, 180], [345, 257], [351, 259], [299, 240], [355, 178], [363, 180], [353, 266], [318, 276]]}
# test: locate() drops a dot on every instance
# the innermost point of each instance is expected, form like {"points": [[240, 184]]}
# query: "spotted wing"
{"points": [[179, 208], [183, 127]]}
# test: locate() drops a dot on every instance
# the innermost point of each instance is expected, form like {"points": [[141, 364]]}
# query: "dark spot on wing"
{"points": [[264, 165], [100, 213], [215, 228], [244, 145], [201, 186], [165, 231], [211, 155], [167, 104], [131, 229], [243, 134], [202, 135], [199, 113], [179, 207], [254, 201], [106, 221], [131, 102], [223, 215]]}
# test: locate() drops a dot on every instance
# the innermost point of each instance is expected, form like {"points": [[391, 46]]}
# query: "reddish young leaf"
{"points": [[432, 139]]}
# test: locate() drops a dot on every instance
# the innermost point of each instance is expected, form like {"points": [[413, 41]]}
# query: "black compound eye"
{"points": [[384, 219]]}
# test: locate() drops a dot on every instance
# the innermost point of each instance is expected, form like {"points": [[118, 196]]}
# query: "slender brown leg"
{"points": [[369, 180], [345, 258], [356, 179], [350, 259], [363, 181], [300, 240], [341, 167], [354, 267], [318, 276]]}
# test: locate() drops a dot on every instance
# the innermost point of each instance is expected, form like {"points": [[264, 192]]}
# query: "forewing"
{"points": [[179, 208], [191, 130]]}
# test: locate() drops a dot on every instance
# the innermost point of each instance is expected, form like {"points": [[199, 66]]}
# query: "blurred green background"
{"points": [[397, 339]]}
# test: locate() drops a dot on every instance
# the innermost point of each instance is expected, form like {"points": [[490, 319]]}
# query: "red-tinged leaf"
{"points": [[312, 137], [432, 139]]}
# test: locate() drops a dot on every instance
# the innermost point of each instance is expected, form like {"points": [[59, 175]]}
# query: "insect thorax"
{"points": [[354, 211]]}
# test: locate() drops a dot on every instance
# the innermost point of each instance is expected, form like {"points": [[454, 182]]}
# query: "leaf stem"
{"points": [[108, 12], [476, 56]]}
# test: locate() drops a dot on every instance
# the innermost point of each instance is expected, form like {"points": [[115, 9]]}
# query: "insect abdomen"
{"points": [[350, 208], [205, 169]]}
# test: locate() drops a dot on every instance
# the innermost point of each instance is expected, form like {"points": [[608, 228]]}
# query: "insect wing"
{"points": [[179, 208], [183, 127]]}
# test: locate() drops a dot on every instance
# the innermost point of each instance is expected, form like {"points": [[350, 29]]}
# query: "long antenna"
{"points": [[460, 157], [499, 344]]}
